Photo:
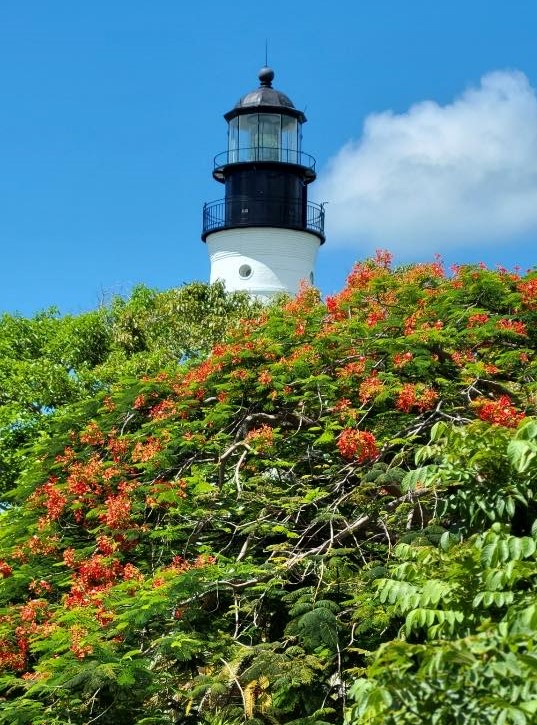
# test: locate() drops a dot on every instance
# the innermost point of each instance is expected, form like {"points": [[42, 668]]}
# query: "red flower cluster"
{"points": [[98, 570], [132, 573], [199, 374], [5, 569], [304, 301], [34, 619], [93, 578], [67, 456], [383, 258], [409, 325], [377, 314], [357, 445], [139, 402], [51, 498], [333, 307], [117, 447], [34, 610], [343, 408], [460, 358], [265, 378], [163, 410], [416, 397], [239, 374], [105, 544], [40, 586], [477, 319], [362, 274], [528, 291], [418, 273], [400, 359], [436, 325], [145, 450], [92, 435], [519, 328], [109, 404], [36, 546], [370, 388], [79, 649], [262, 438], [69, 557], [84, 477], [499, 412], [118, 512], [355, 368], [304, 353], [13, 656]]}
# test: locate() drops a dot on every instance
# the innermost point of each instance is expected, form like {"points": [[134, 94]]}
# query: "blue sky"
{"points": [[111, 112]]}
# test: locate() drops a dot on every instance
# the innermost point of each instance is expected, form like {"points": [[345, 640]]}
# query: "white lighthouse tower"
{"points": [[264, 235]]}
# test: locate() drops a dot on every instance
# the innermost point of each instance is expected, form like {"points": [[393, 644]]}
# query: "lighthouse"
{"points": [[264, 235]]}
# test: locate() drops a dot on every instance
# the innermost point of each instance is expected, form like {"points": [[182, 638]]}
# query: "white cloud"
{"points": [[439, 177]]}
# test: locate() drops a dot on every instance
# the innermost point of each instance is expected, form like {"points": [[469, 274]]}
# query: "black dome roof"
{"points": [[265, 97]]}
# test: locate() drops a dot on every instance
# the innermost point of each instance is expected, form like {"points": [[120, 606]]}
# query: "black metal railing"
{"points": [[239, 211], [264, 153]]}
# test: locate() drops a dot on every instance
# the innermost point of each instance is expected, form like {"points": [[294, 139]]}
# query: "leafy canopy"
{"points": [[50, 361], [328, 516]]}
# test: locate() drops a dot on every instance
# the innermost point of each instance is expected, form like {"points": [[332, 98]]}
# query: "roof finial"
{"points": [[266, 76]]}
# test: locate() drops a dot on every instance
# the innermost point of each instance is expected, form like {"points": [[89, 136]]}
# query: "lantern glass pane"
{"points": [[248, 133], [290, 140], [269, 137], [233, 141]]}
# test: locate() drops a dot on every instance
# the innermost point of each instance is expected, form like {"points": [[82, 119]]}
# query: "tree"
{"points": [[50, 361], [217, 541]]}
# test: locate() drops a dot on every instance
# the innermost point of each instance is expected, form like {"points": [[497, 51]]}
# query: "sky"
{"points": [[422, 117]]}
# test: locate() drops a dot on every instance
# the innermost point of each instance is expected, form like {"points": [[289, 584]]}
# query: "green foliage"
{"points": [[50, 361], [316, 512], [466, 650], [180, 323]]}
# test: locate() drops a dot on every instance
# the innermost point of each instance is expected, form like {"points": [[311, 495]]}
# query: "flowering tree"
{"points": [[49, 361], [218, 542]]}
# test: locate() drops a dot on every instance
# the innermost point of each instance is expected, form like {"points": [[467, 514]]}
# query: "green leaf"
{"points": [[418, 478], [521, 454]]}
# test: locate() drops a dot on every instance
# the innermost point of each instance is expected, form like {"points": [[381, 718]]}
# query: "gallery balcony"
{"points": [[235, 212], [264, 155]]}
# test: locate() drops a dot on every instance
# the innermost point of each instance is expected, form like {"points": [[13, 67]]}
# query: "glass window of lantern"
{"points": [[233, 141], [248, 134], [269, 140], [290, 140]]}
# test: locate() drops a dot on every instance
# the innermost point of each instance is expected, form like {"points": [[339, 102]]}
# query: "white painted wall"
{"points": [[279, 259]]}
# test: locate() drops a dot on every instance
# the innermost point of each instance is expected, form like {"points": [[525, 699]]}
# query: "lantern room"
{"points": [[264, 126]]}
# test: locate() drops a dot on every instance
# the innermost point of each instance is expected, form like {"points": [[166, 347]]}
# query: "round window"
{"points": [[245, 271]]}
